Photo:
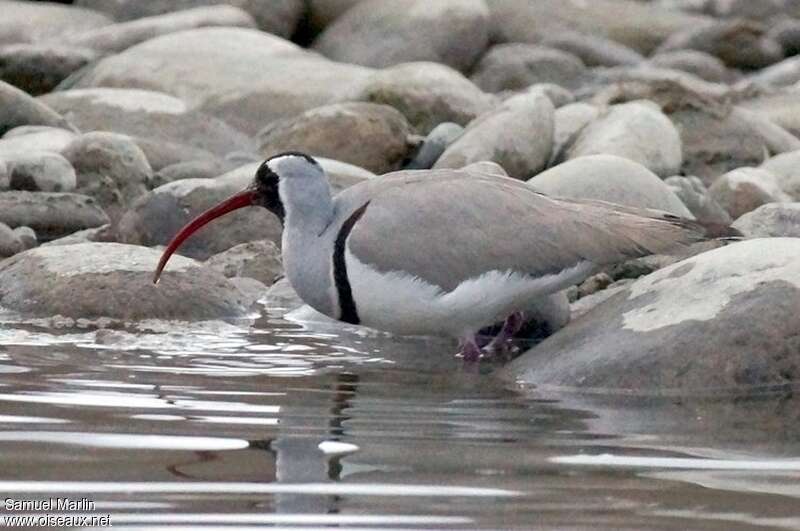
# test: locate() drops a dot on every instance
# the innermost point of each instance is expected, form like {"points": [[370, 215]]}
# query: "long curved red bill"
{"points": [[240, 200]]}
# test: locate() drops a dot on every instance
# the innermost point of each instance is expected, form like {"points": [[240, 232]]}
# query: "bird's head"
{"points": [[277, 177]]}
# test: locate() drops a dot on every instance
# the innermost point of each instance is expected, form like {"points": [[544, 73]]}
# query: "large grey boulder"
{"points": [[260, 259], [609, 178], [785, 167], [279, 17], [745, 189], [517, 66], [246, 77], [116, 38], [111, 168], [18, 108], [381, 33], [50, 214], [39, 68], [726, 319], [148, 114], [39, 171], [373, 136], [24, 139], [93, 280], [568, 122], [39, 21], [738, 43], [10, 243], [770, 221], [641, 26], [427, 94], [629, 130], [518, 136], [594, 50], [701, 64]]}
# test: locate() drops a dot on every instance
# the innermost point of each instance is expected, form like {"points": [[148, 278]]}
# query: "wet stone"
{"points": [[51, 215], [76, 281], [259, 260]]}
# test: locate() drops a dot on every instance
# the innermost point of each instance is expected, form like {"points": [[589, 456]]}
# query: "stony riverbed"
{"points": [[122, 120]]}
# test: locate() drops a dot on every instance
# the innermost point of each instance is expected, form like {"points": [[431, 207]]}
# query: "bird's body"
{"points": [[444, 252]]}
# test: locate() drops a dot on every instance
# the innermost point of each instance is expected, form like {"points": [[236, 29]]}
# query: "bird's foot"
{"points": [[470, 351], [502, 345]]}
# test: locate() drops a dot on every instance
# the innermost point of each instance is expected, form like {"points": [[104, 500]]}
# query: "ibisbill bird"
{"points": [[438, 252]]}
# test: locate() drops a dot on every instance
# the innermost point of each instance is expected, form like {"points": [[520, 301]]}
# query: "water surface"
{"points": [[306, 426]]}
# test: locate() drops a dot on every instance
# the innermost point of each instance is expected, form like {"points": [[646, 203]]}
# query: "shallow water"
{"points": [[311, 426]]}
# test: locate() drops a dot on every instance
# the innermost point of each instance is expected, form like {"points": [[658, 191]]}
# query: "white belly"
{"points": [[407, 305]]}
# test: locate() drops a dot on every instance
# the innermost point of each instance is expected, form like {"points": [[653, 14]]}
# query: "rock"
{"points": [[252, 289], [39, 68], [39, 21], [49, 139], [322, 12], [518, 136], [778, 75], [640, 26], [432, 147], [119, 37], [723, 320], [381, 33], [260, 260], [517, 66], [582, 306], [18, 108], [373, 136], [486, 166], [111, 168], [745, 189], [609, 178], [9, 242], [627, 130], [5, 180], [155, 116], [621, 83], [786, 33], [77, 281], [558, 95], [569, 121], [281, 295], [245, 77], [40, 171], [427, 94], [781, 108], [773, 220], [786, 170], [696, 197], [279, 17], [51, 215], [718, 138], [761, 10], [161, 154], [103, 233], [738, 43], [192, 169], [27, 237], [700, 64], [594, 50]]}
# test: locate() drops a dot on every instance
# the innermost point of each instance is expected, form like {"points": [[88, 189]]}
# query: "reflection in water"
{"points": [[177, 426]]}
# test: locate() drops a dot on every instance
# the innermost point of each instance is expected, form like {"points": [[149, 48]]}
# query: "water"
{"points": [[311, 426]]}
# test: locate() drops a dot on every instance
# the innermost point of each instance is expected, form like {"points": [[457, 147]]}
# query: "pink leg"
{"points": [[511, 326], [470, 351]]}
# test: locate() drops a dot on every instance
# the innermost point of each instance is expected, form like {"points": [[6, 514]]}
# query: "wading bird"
{"points": [[439, 252]]}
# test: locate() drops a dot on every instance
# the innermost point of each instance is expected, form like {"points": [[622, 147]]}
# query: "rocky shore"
{"points": [[119, 121]]}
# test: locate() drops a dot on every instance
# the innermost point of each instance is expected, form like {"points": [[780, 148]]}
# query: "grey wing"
{"points": [[454, 226]]}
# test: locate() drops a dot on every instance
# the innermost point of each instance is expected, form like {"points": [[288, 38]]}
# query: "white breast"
{"points": [[405, 304]]}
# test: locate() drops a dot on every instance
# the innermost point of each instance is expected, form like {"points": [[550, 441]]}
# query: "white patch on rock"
{"points": [[711, 282], [64, 261], [132, 100]]}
